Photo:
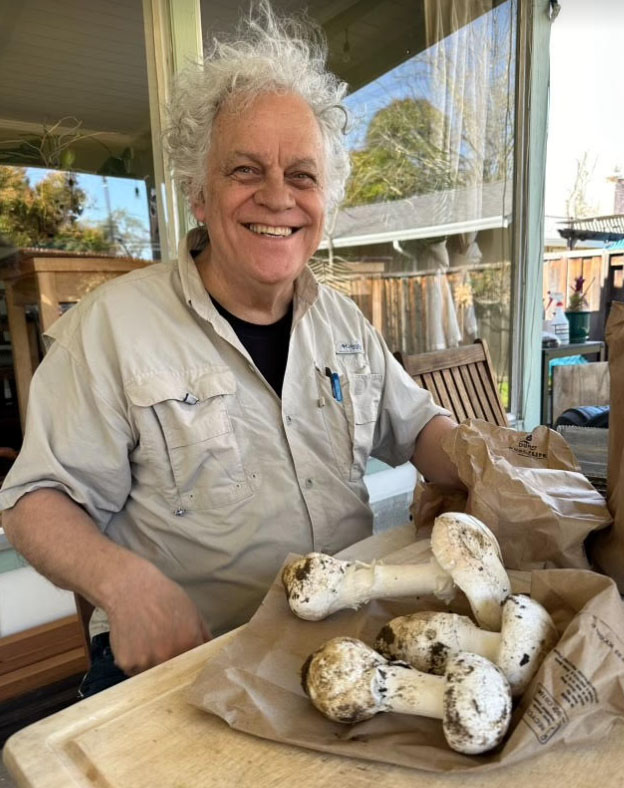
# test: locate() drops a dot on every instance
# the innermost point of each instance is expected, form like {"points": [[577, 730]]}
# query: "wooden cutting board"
{"points": [[144, 734]]}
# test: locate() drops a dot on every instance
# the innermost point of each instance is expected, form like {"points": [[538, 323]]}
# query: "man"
{"points": [[194, 423]]}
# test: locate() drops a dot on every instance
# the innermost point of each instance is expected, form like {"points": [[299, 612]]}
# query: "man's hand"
{"points": [[152, 619]]}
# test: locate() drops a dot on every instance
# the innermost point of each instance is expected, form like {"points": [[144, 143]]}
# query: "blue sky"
{"points": [[125, 193], [411, 78]]}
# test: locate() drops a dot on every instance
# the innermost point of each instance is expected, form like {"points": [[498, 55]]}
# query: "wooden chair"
{"points": [[459, 379], [40, 656], [84, 610]]}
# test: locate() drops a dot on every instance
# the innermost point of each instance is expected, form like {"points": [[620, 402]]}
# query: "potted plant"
{"points": [[578, 311]]}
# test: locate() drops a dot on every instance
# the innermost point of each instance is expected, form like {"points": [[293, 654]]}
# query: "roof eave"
{"points": [[414, 233]]}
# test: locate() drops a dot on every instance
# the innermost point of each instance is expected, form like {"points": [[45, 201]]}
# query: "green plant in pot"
{"points": [[578, 312]]}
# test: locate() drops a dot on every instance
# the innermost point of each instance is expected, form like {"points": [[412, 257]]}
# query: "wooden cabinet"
{"points": [[47, 280]]}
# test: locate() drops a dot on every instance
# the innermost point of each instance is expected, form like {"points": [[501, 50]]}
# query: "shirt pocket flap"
{"points": [[190, 406], [189, 387]]}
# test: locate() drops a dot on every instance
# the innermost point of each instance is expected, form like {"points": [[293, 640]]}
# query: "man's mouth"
{"points": [[273, 232]]}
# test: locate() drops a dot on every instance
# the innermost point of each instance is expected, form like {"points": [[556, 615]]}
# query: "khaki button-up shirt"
{"points": [[149, 413]]}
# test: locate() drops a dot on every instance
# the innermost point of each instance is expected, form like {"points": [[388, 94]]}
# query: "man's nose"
{"points": [[275, 194]]}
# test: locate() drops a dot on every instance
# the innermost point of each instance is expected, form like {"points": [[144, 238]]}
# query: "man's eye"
{"points": [[244, 169], [303, 177]]}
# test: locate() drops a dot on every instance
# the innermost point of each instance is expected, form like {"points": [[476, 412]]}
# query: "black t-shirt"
{"points": [[267, 345]]}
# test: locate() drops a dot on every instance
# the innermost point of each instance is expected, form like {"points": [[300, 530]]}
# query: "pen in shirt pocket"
{"points": [[335, 384]]}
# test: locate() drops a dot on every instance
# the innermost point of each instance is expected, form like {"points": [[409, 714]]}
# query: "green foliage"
{"points": [[491, 285], [81, 238], [46, 215], [404, 154], [414, 147], [378, 174], [577, 302]]}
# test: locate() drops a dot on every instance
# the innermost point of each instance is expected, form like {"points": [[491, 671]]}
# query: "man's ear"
{"points": [[198, 208]]}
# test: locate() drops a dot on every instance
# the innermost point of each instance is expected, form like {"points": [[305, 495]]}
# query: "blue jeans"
{"points": [[103, 672]]}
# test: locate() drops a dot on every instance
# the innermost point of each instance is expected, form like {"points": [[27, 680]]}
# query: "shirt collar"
{"points": [[193, 288], [195, 295]]}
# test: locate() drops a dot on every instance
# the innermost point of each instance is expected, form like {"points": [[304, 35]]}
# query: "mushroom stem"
{"points": [[318, 585], [409, 691], [465, 554], [427, 640], [349, 682], [481, 641], [383, 581]]}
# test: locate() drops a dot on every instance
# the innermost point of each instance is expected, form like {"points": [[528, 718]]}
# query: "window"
{"points": [[422, 241], [75, 143]]}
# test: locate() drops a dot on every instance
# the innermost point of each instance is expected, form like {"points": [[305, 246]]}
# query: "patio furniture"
{"points": [[40, 656], [85, 610], [574, 385], [460, 379], [41, 641], [584, 349]]}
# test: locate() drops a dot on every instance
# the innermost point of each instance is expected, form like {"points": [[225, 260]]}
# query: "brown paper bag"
{"points": [[607, 548], [526, 487], [253, 683]]}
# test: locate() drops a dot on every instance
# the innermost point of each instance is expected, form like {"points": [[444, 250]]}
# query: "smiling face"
{"points": [[264, 201]]}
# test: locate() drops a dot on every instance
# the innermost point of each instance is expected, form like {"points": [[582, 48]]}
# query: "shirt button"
{"points": [[309, 483], [288, 419]]}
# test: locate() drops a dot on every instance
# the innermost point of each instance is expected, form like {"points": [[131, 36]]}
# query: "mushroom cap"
{"points": [[467, 549], [312, 584], [477, 704], [341, 680], [425, 640], [528, 634]]}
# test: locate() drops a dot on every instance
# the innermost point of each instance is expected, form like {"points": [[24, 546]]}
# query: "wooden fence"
{"points": [[561, 269], [399, 306]]}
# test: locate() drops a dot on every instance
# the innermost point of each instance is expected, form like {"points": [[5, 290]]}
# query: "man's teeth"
{"points": [[265, 229]]}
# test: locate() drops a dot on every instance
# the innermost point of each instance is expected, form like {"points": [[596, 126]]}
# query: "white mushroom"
{"points": [[318, 585], [349, 682], [465, 552], [466, 548], [428, 640]]}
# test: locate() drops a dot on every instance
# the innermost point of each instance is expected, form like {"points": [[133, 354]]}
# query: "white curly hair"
{"points": [[268, 55]]}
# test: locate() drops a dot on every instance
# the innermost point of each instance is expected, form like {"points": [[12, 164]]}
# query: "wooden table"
{"points": [[47, 280], [144, 734]]}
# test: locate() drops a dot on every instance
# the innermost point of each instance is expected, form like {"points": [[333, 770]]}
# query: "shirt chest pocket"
{"points": [[365, 390], [192, 425], [351, 422]]}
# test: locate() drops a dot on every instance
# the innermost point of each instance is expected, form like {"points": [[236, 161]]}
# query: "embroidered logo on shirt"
{"points": [[349, 347]]}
